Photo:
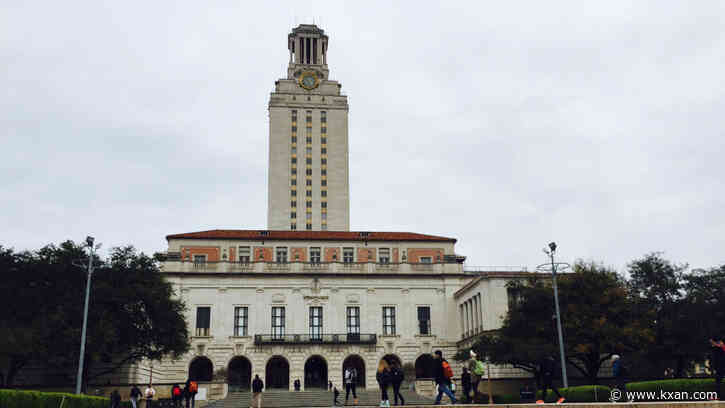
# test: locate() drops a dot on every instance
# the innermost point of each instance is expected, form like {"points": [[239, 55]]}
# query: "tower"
{"points": [[308, 144]]}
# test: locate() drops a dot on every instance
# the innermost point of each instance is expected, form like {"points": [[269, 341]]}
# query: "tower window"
{"points": [[309, 182], [294, 139], [323, 182], [309, 204], [324, 204], [323, 150], [294, 160], [294, 193], [308, 172], [324, 130], [309, 193], [324, 161], [324, 193], [294, 171], [293, 204], [323, 140], [294, 182], [308, 226], [294, 128], [293, 215], [309, 139]]}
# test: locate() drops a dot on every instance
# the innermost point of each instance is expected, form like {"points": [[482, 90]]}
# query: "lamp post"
{"points": [[553, 267], [79, 379]]}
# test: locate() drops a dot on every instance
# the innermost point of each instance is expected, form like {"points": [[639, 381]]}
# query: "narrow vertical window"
{"points": [[316, 323], [278, 323], [203, 321], [353, 320], [241, 319], [389, 321], [424, 320]]}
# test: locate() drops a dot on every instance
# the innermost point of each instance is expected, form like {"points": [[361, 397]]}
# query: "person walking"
{"points": [[476, 370], [443, 373], [190, 389], [329, 385], [383, 377], [336, 394], [298, 385], [257, 387], [396, 378], [176, 395], [547, 369], [115, 399], [466, 384], [717, 362], [350, 380], [134, 396], [149, 394]]}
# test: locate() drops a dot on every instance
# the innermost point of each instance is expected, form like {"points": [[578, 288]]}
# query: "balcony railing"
{"points": [[350, 338], [179, 266]]}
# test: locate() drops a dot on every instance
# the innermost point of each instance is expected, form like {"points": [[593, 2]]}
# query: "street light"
{"points": [[553, 267], [79, 379]]}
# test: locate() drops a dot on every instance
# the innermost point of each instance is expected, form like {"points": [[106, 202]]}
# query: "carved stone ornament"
{"points": [[353, 298], [278, 298]]}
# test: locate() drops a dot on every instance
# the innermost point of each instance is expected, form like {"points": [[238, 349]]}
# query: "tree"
{"points": [[597, 321], [703, 309], [658, 287], [133, 313]]}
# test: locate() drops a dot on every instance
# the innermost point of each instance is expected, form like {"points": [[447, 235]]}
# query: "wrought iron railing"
{"points": [[349, 338]]}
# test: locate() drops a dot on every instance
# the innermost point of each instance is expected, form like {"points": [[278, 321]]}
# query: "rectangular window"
{"points": [[324, 130], [309, 119], [424, 320], [293, 193], [309, 139], [316, 323], [294, 128], [294, 182], [388, 321], [241, 320], [294, 171], [426, 259], [309, 182], [324, 216], [315, 255], [323, 183], [384, 255], [309, 193], [278, 322], [309, 204], [323, 172], [309, 160], [309, 217], [324, 204], [323, 150], [245, 254], [309, 150], [323, 193], [324, 161], [293, 226], [282, 255], [353, 320], [294, 160], [294, 150], [308, 172], [323, 140], [294, 139], [293, 215], [293, 204], [324, 227], [348, 255], [308, 226], [199, 259], [203, 320]]}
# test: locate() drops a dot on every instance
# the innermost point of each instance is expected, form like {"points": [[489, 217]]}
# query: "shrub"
{"points": [[582, 393], [688, 385], [38, 399]]}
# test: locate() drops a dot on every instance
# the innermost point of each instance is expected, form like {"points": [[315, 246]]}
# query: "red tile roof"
{"points": [[258, 235]]}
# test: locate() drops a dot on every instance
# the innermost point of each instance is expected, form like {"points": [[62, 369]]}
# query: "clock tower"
{"points": [[308, 144]]}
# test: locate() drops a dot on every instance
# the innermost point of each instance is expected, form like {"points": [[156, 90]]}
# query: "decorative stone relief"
{"points": [[353, 298], [278, 298], [222, 290], [260, 290], [371, 291], [405, 291]]}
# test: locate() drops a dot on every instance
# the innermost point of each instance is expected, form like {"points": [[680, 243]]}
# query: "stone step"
{"points": [[289, 399]]}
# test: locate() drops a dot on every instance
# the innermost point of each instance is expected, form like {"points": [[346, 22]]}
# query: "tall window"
{"points": [[315, 255], [203, 320], [241, 320], [426, 259], [244, 254], [278, 322], [199, 259], [316, 323], [424, 320], [282, 255], [353, 320], [348, 255], [384, 255], [388, 321]]}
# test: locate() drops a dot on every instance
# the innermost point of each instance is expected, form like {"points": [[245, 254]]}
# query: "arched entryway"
{"points": [[424, 366], [277, 373], [239, 374], [201, 369], [315, 373], [356, 362], [392, 359]]}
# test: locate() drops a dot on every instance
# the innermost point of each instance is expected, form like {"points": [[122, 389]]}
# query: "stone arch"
{"points": [[391, 359], [424, 366], [277, 372], [239, 374], [201, 369], [358, 363], [316, 372]]}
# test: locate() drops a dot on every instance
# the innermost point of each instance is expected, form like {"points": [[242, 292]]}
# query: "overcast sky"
{"points": [[505, 125]]}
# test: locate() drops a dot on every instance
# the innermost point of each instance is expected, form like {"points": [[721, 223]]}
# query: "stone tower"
{"points": [[308, 143]]}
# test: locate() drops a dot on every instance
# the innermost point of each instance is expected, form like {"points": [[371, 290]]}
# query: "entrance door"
{"points": [[356, 362], [315, 373], [277, 373], [240, 374]]}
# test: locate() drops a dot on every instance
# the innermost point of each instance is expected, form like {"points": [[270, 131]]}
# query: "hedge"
{"points": [[688, 385], [583, 393], [38, 399]]}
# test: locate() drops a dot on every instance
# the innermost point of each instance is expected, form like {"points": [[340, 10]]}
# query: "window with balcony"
{"points": [[199, 259], [203, 320], [241, 320], [388, 321], [244, 254], [348, 255], [316, 323], [315, 255], [353, 320], [384, 257], [424, 320], [426, 259], [281, 255], [278, 322]]}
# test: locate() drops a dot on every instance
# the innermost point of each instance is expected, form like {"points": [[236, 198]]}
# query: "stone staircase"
{"points": [[289, 399]]}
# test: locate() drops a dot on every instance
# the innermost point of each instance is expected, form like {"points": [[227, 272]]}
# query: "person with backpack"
{"points": [[443, 373], [134, 396], [176, 395], [466, 384], [190, 390], [396, 378], [477, 369], [350, 382], [383, 377], [149, 394], [115, 399], [257, 387], [717, 362], [547, 370]]}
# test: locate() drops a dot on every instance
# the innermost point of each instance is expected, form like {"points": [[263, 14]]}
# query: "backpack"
{"points": [[193, 387], [479, 369], [177, 392], [447, 370]]}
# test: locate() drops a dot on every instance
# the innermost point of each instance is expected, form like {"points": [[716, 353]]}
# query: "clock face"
{"points": [[308, 80]]}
